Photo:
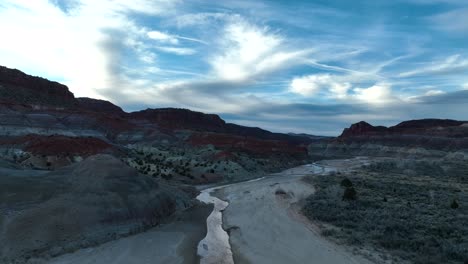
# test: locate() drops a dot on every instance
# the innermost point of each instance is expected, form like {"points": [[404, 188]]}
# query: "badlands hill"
{"points": [[84, 204]]}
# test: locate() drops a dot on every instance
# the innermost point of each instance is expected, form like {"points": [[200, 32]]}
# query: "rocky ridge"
{"points": [[424, 138], [34, 110]]}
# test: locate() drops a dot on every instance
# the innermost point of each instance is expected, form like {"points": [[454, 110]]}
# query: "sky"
{"points": [[305, 66]]}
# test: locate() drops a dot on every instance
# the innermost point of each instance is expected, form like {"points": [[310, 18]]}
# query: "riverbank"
{"points": [[406, 210], [175, 242]]}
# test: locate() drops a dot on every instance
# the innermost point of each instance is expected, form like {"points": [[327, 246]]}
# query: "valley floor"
{"points": [[265, 226], [262, 220]]}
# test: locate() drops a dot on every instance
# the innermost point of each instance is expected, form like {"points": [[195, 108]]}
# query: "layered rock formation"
{"points": [[32, 109], [425, 137]]}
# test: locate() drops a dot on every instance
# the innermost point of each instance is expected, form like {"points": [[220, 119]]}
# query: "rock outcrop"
{"points": [[362, 128], [174, 118], [100, 106], [20, 88]]}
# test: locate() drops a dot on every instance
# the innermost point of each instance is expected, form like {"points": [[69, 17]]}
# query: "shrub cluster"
{"points": [[420, 216]]}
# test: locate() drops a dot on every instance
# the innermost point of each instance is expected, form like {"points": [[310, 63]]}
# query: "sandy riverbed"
{"points": [[262, 221], [265, 227]]}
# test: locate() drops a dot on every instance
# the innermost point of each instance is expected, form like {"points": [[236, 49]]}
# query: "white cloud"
{"points": [[162, 37], [177, 51], [152, 7], [308, 85], [434, 92], [43, 40], [452, 64], [169, 38], [465, 86], [248, 50], [312, 84], [340, 90], [377, 94], [340, 87]]}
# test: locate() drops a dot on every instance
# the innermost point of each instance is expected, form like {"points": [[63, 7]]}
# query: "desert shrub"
{"points": [[349, 194], [414, 224], [280, 192], [346, 183], [385, 166], [166, 176], [328, 232]]}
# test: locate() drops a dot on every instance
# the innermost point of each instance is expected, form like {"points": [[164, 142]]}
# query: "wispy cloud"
{"points": [[252, 61], [452, 65], [452, 21], [178, 51], [162, 37], [198, 19], [169, 38]]}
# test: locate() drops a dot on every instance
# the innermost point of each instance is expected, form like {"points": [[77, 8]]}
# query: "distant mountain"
{"points": [[424, 137], [41, 113], [426, 127], [313, 137]]}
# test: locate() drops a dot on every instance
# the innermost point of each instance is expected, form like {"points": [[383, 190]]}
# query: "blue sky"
{"points": [[287, 66]]}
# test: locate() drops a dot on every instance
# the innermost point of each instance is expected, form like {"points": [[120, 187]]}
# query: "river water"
{"points": [[215, 247]]}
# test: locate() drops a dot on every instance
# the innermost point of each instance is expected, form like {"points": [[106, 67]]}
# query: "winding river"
{"points": [[215, 247]]}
